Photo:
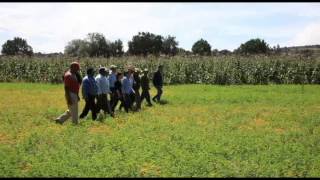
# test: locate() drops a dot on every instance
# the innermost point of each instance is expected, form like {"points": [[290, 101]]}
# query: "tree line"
{"points": [[142, 44]]}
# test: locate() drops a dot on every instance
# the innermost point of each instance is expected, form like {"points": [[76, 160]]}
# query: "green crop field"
{"points": [[201, 131]]}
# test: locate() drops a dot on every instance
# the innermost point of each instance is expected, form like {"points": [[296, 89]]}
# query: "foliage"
{"points": [[201, 47], [17, 46], [254, 46], [77, 48], [169, 46], [177, 70], [145, 43], [94, 45], [117, 48], [203, 131]]}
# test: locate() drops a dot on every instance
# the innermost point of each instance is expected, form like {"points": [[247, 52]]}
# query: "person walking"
{"points": [[136, 88], [118, 92], [112, 80], [103, 90], [89, 93], [72, 82], [145, 87], [158, 83], [127, 89]]}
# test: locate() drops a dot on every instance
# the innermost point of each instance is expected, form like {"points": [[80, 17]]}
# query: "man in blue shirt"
{"points": [[89, 93], [103, 91], [127, 89]]}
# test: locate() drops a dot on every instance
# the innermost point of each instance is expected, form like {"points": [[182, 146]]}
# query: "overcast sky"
{"points": [[48, 27]]}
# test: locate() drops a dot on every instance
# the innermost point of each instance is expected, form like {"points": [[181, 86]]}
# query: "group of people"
{"points": [[104, 91]]}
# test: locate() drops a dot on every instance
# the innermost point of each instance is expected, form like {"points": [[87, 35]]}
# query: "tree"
{"points": [[77, 47], [94, 45], [98, 45], [201, 47], [145, 43], [116, 48], [215, 52], [254, 46], [169, 46], [225, 52], [17, 46]]}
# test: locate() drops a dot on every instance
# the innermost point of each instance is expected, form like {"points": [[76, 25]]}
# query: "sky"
{"points": [[48, 27]]}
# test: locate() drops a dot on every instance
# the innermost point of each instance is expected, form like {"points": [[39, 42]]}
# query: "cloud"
{"points": [[308, 36], [48, 27]]}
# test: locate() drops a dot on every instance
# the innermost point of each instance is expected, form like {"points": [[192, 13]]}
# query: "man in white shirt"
{"points": [[103, 91]]}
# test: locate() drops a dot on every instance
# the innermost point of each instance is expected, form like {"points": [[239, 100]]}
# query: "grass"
{"points": [[199, 131]]}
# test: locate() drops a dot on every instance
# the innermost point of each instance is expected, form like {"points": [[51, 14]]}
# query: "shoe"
{"points": [[58, 122]]}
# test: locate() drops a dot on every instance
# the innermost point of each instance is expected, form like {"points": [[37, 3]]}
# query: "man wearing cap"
{"points": [[145, 87], [89, 93], [71, 88], [103, 91], [127, 89], [112, 80], [136, 88], [158, 83]]}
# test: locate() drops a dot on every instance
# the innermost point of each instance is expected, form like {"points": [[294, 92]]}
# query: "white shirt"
{"points": [[103, 84]]}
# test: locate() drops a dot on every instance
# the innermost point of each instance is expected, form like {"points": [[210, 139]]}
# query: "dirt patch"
{"points": [[103, 129], [260, 122], [256, 123], [4, 139], [176, 120], [245, 127], [148, 169], [26, 167], [279, 130]]}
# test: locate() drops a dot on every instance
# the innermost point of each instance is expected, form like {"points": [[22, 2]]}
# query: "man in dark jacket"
{"points": [[158, 83], [145, 87], [136, 88]]}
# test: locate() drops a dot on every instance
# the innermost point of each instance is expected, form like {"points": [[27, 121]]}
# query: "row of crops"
{"points": [[177, 70]]}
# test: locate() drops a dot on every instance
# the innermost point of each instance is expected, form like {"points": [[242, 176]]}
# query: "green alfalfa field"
{"points": [[200, 131]]}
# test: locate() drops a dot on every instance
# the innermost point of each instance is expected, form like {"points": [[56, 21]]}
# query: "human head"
{"points": [[74, 67], [130, 70], [103, 71], [125, 73], [90, 71], [113, 68], [160, 68], [119, 76], [137, 71], [145, 71]]}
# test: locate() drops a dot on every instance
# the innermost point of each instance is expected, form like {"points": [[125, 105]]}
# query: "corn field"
{"points": [[177, 70]]}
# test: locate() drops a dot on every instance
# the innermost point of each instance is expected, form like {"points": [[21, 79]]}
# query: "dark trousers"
{"points": [[103, 103], [113, 98], [145, 95], [159, 93], [116, 100], [137, 99], [128, 101], [90, 105]]}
